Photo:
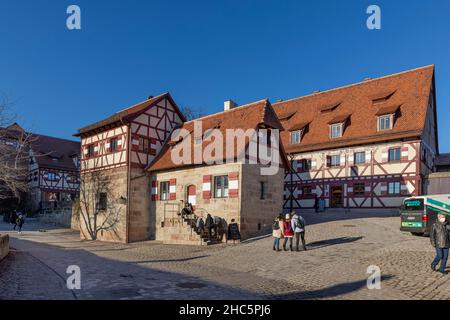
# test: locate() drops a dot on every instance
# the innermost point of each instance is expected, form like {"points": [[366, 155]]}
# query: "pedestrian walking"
{"points": [[277, 232], [20, 221], [298, 224], [440, 240], [288, 232], [13, 219]]}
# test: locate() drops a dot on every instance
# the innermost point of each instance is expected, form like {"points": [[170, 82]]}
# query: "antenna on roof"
{"points": [[367, 79], [150, 97], [316, 91]]}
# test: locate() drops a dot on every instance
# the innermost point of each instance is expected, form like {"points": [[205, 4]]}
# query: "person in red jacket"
{"points": [[288, 232]]}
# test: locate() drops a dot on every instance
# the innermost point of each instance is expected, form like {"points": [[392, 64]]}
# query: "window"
{"points": [[394, 188], [295, 137], [394, 154], [102, 201], [336, 130], [360, 158], [359, 189], [306, 164], [263, 191], [384, 123], [221, 186], [90, 151], [307, 191], [51, 176], [113, 144], [144, 144], [164, 187], [334, 161]]}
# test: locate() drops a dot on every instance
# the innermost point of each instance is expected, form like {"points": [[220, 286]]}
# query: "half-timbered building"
{"points": [[121, 147], [366, 145]]}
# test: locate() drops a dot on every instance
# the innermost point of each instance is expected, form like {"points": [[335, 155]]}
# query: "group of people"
{"points": [[288, 227], [215, 227], [440, 240], [17, 219]]}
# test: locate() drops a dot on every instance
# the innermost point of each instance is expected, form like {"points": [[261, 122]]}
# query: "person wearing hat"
{"points": [[440, 240], [288, 232]]}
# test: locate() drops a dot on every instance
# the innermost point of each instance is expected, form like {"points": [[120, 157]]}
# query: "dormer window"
{"points": [[385, 122], [296, 136], [336, 130]]}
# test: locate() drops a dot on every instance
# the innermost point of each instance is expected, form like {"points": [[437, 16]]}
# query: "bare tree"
{"points": [[98, 210], [14, 157], [191, 113]]}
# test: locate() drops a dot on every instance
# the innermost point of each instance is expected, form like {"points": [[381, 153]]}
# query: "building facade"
{"points": [[366, 145]]}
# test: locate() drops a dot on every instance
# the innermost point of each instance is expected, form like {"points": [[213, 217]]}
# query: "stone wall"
{"points": [[60, 217], [227, 208], [253, 214], [116, 199], [257, 214], [141, 226], [4, 246], [437, 183]]}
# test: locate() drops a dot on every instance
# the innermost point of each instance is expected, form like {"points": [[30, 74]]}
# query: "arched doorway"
{"points": [[191, 195]]}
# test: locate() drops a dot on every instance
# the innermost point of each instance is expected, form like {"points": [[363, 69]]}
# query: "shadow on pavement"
{"points": [[332, 242], [329, 292]]}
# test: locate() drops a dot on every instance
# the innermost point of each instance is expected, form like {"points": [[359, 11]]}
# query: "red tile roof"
{"points": [[246, 117], [125, 114], [409, 89]]}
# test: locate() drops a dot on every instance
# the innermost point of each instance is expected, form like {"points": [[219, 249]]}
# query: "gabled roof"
{"points": [[409, 90], [128, 113], [250, 116], [55, 153]]}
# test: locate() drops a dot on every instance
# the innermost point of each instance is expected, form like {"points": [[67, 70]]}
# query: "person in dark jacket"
{"points": [[440, 239], [13, 219], [20, 221], [209, 225]]}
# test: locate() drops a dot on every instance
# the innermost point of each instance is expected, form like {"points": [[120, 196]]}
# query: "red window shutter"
{"points": [[172, 189], [207, 187], [233, 184], [154, 191], [404, 154]]}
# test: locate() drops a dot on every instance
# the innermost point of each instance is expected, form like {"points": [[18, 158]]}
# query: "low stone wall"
{"points": [[4, 246], [59, 217]]}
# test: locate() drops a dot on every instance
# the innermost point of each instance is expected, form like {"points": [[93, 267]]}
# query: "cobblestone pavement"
{"points": [[341, 247]]}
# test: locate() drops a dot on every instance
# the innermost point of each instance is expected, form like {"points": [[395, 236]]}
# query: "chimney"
{"points": [[229, 104], [150, 97]]}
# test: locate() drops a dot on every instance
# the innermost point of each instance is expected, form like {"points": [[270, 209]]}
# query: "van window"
{"points": [[414, 204]]}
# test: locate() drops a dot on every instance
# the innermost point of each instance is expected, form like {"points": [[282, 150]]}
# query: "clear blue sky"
{"points": [[205, 52]]}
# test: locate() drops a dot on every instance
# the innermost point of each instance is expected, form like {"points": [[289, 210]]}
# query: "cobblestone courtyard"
{"points": [[341, 247]]}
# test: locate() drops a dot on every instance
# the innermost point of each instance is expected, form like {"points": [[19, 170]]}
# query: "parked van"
{"points": [[419, 213]]}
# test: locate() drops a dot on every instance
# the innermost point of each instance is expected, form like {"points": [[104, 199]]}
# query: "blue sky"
{"points": [[205, 52]]}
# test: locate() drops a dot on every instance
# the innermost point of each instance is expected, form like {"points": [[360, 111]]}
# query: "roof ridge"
{"points": [[356, 84], [228, 111], [139, 103]]}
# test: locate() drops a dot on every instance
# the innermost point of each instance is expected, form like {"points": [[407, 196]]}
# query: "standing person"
{"points": [[20, 221], [440, 239], [13, 219], [277, 232], [233, 231], [316, 203], [298, 224], [209, 224], [288, 232]]}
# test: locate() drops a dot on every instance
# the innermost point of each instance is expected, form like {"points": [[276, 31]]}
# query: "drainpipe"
{"points": [[127, 214], [291, 195]]}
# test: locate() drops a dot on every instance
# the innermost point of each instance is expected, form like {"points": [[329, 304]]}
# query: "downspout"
{"points": [[127, 214]]}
